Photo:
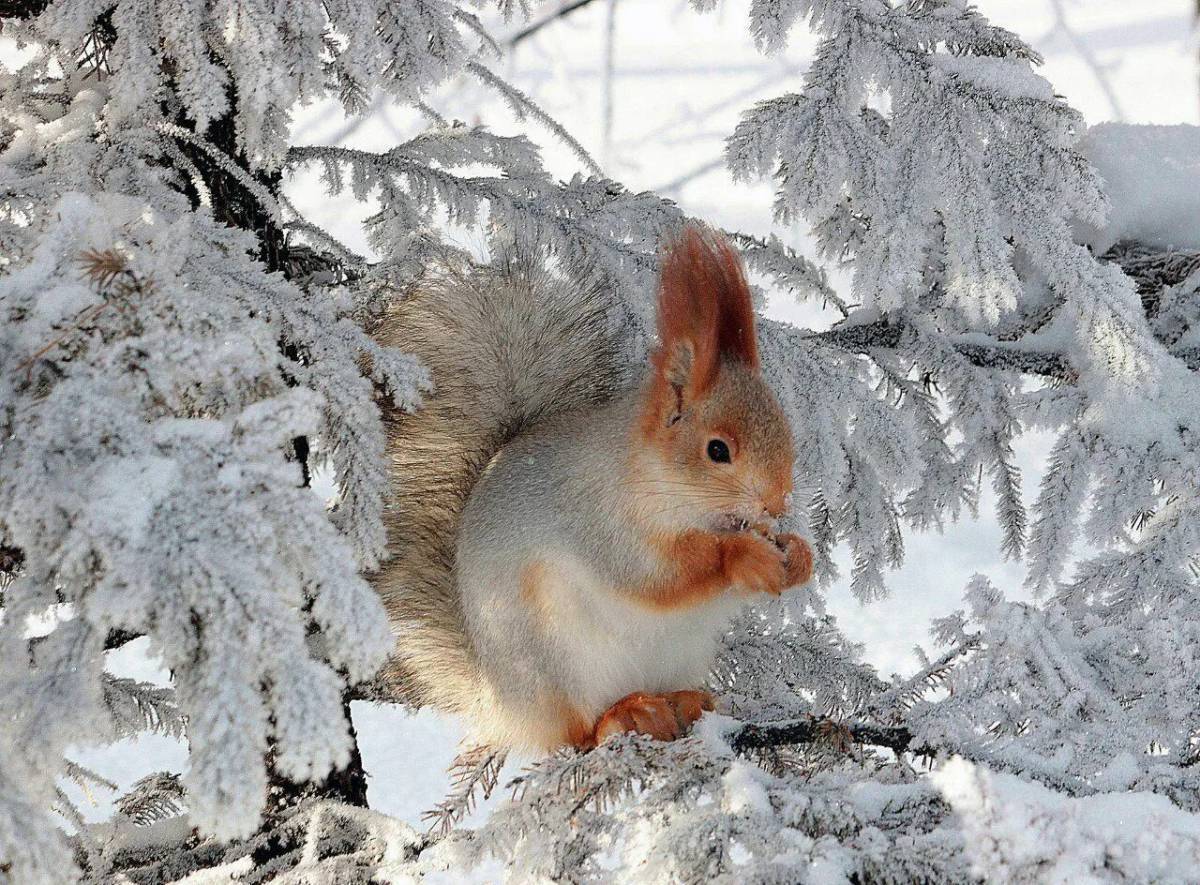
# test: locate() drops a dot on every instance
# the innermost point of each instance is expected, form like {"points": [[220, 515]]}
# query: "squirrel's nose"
{"points": [[774, 506]]}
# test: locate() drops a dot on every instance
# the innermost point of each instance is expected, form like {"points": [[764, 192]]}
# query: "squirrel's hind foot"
{"points": [[662, 717]]}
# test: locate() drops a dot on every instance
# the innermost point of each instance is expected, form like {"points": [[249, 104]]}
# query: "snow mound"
{"points": [[1152, 177], [1018, 831]]}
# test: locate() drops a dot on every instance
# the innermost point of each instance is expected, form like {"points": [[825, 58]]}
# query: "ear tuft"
{"points": [[704, 309]]}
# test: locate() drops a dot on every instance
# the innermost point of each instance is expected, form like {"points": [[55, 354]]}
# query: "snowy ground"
{"points": [[680, 82]]}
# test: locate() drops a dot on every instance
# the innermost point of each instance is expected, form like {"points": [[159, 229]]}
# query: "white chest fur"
{"points": [[610, 644]]}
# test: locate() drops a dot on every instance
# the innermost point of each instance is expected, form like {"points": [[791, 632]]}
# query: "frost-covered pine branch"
{"points": [[164, 386], [965, 259], [474, 774], [153, 798]]}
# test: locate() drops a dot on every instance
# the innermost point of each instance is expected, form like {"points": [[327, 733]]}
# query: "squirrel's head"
{"points": [[718, 444]]}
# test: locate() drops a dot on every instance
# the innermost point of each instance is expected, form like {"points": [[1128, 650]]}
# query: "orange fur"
{"points": [[662, 717], [775, 499], [799, 559], [705, 316], [754, 564], [640, 712], [704, 300], [690, 704], [533, 574], [578, 732]]}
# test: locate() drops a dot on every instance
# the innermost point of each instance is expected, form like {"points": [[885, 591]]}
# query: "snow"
{"points": [[1150, 174], [744, 792], [661, 122], [1010, 77], [1107, 58], [150, 478], [1019, 831], [873, 799]]}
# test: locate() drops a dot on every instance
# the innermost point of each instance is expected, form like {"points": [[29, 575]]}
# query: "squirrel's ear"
{"points": [[705, 315]]}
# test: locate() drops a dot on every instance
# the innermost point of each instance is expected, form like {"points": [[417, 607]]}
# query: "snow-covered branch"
{"points": [[841, 734]]}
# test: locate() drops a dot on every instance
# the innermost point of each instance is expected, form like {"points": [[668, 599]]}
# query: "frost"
{"points": [[180, 348], [1021, 832], [1009, 77]]}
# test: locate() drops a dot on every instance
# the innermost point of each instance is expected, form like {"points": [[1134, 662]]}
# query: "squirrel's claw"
{"points": [[644, 713]]}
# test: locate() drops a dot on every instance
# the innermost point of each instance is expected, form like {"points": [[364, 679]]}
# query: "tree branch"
{"points": [[887, 335], [11, 560], [22, 9], [565, 9], [118, 637], [1152, 269], [811, 731]]}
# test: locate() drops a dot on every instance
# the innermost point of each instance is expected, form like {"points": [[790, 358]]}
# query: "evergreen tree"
{"points": [[180, 348]]}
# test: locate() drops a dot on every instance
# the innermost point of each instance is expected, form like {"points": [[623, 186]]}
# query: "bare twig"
{"points": [[1089, 58], [610, 39], [561, 11]]}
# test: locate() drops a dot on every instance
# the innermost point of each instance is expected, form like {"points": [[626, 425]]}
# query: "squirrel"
{"points": [[569, 546]]}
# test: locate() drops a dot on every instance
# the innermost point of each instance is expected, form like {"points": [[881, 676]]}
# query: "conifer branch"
{"points": [[889, 335], [153, 798], [472, 773], [811, 731], [22, 9]]}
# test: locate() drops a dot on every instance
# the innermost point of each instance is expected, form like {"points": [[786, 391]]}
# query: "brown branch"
{"points": [[11, 559], [118, 637], [116, 283], [113, 639]]}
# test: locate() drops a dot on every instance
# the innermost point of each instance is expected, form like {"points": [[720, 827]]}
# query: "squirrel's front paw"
{"points": [[755, 564], [798, 559]]}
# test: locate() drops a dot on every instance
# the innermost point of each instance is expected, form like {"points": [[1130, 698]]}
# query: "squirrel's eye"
{"points": [[718, 451]]}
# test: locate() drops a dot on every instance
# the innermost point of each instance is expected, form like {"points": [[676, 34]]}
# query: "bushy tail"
{"points": [[508, 345]]}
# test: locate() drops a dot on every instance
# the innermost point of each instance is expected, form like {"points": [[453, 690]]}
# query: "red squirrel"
{"points": [[569, 547]]}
